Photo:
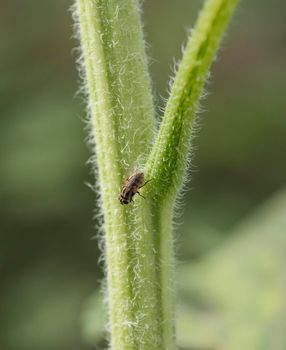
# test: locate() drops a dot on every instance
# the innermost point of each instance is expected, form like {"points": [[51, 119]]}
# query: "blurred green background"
{"points": [[232, 235]]}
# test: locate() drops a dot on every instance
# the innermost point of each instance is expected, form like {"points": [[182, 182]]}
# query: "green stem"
{"points": [[167, 162], [168, 159], [138, 237], [122, 124]]}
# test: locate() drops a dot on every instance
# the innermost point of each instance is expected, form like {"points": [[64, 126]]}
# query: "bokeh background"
{"points": [[232, 235]]}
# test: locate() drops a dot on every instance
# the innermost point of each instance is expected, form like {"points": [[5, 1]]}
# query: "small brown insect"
{"points": [[131, 186]]}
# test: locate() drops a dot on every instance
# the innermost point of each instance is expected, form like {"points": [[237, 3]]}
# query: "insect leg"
{"points": [[145, 183], [141, 195]]}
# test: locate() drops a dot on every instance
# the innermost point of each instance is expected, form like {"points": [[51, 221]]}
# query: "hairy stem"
{"points": [[122, 122], [167, 161], [138, 237]]}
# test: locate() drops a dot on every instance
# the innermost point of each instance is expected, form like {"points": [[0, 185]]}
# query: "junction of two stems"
{"points": [[138, 239]]}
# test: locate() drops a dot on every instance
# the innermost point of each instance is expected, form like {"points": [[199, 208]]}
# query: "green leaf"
{"points": [[235, 298]]}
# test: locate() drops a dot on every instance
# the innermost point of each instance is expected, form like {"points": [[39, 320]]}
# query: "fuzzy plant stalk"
{"points": [[138, 239]]}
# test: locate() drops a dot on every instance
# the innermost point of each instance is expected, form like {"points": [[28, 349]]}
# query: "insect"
{"points": [[131, 186]]}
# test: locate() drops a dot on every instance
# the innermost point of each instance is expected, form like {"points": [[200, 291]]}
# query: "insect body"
{"points": [[131, 186]]}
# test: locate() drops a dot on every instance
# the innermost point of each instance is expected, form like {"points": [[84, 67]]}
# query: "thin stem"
{"points": [[168, 159], [166, 164]]}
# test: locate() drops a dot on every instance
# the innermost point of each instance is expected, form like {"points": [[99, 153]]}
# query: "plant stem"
{"points": [[122, 123], [168, 160], [138, 237]]}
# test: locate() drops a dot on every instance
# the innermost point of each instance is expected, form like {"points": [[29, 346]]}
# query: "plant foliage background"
{"points": [[232, 237]]}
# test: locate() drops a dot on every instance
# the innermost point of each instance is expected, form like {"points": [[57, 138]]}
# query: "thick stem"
{"points": [[122, 123], [138, 237]]}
